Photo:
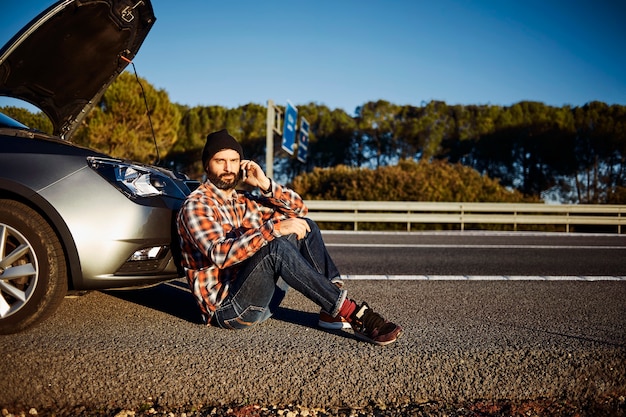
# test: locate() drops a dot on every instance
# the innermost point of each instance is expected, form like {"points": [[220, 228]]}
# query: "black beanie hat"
{"points": [[218, 141]]}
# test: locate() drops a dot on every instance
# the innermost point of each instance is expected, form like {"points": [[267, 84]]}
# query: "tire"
{"points": [[33, 272]]}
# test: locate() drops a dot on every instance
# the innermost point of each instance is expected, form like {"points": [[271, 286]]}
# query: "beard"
{"points": [[224, 184]]}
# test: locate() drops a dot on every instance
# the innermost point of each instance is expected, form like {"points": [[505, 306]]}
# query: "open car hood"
{"points": [[66, 57]]}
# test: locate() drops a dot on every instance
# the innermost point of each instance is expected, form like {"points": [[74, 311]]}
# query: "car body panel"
{"points": [[100, 226]]}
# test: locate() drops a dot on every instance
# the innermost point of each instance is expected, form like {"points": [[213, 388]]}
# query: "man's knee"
{"points": [[312, 225], [283, 243]]}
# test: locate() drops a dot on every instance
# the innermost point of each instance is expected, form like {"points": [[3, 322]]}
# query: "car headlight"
{"points": [[136, 180]]}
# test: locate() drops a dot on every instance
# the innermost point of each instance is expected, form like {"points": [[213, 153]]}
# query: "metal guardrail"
{"points": [[465, 214]]}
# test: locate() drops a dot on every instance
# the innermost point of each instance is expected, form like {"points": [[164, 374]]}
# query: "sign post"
{"points": [[272, 126]]}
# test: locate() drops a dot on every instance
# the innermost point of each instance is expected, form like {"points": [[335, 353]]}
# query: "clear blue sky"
{"points": [[344, 53]]}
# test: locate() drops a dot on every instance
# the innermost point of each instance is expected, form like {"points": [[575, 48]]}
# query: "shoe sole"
{"points": [[364, 338]]}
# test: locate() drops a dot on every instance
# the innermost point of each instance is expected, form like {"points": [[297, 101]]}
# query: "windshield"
{"points": [[6, 121]]}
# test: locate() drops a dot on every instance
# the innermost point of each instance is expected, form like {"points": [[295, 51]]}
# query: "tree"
{"points": [[331, 135], [120, 126], [37, 120], [600, 146], [377, 123]]}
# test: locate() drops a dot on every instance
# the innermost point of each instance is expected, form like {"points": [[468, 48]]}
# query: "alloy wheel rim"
{"points": [[18, 271]]}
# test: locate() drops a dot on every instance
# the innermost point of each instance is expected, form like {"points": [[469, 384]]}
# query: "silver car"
{"points": [[73, 219]]}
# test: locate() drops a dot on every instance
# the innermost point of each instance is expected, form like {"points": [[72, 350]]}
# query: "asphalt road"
{"points": [[465, 339], [479, 254]]}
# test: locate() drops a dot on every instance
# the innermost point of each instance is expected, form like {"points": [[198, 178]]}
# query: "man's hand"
{"points": [[293, 225], [254, 175]]}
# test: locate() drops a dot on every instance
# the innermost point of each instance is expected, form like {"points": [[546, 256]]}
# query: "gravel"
{"points": [[609, 406]]}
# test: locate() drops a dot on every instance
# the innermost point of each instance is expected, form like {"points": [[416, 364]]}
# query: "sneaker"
{"points": [[327, 321], [372, 327]]}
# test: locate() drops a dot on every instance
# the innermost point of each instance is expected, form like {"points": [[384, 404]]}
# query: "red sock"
{"points": [[347, 308]]}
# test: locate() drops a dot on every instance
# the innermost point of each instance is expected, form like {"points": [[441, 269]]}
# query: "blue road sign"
{"points": [[303, 140], [289, 128]]}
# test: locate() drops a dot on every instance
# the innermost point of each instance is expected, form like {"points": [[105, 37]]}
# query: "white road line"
{"points": [[484, 278], [427, 246]]}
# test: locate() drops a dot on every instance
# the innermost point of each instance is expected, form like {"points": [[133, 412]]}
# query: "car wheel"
{"points": [[33, 273]]}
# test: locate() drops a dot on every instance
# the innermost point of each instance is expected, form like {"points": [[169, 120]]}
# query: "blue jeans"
{"points": [[264, 278]]}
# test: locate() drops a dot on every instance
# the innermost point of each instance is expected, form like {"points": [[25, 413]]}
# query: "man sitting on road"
{"points": [[242, 251]]}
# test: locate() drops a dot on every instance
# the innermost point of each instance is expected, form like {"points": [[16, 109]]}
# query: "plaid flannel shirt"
{"points": [[218, 232]]}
